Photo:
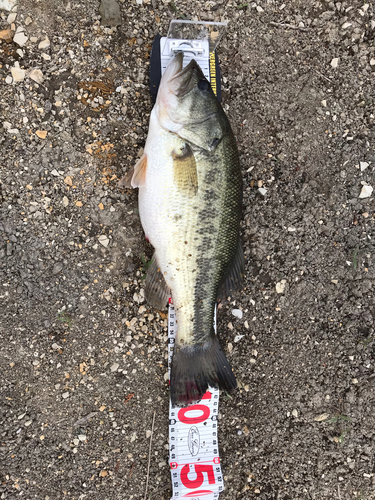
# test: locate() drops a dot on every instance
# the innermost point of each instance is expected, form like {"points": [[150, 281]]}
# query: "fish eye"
{"points": [[203, 84], [215, 142]]}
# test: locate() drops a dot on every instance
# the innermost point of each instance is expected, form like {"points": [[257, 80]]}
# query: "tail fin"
{"points": [[196, 367]]}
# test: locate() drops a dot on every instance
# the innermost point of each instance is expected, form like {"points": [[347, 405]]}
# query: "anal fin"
{"points": [[157, 291], [136, 177], [233, 281]]}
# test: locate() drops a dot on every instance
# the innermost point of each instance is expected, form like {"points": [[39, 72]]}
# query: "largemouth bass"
{"points": [[190, 197]]}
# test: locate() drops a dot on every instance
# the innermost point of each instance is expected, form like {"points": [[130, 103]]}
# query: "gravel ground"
{"points": [[83, 357]]}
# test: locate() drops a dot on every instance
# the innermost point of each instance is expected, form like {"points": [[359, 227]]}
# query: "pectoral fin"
{"points": [[136, 177], [157, 291], [185, 170], [233, 279]]}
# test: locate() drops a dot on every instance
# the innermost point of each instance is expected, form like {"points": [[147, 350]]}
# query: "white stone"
{"points": [[262, 191], [44, 43], [7, 125], [46, 57], [8, 79], [36, 75], [372, 61], [363, 165], [11, 18], [280, 286], [335, 62], [28, 20], [20, 39], [18, 74], [20, 52], [114, 367], [259, 8], [65, 201], [103, 240], [366, 191], [7, 4], [237, 338], [345, 26], [237, 313]]}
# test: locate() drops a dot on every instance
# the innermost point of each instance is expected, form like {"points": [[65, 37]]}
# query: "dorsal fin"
{"points": [[136, 177], [233, 279]]}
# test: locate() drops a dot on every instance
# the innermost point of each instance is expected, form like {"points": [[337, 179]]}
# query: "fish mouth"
{"points": [[182, 79]]}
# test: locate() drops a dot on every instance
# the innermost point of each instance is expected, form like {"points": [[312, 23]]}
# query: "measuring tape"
{"points": [[193, 439]]}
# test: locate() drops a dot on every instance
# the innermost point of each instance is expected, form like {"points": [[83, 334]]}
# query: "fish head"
{"points": [[187, 106]]}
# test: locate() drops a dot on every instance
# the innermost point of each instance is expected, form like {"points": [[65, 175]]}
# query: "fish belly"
{"points": [[183, 228]]}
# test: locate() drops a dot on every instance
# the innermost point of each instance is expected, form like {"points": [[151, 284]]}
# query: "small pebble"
{"points": [[65, 395], [237, 313], [18, 74], [114, 367], [103, 240], [335, 62], [363, 165], [366, 191], [20, 39], [280, 286], [11, 18], [36, 75], [44, 44], [237, 338], [7, 5], [8, 80], [65, 201]]}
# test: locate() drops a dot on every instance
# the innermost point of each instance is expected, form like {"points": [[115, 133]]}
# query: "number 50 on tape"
{"points": [[193, 443]]}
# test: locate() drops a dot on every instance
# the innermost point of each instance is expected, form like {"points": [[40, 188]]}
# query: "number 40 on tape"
{"points": [[193, 442]]}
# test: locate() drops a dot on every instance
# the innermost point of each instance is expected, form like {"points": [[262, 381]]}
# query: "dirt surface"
{"points": [[83, 358]]}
